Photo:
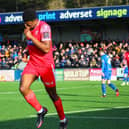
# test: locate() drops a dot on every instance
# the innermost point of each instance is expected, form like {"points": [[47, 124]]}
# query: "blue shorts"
{"points": [[126, 70], [107, 76]]}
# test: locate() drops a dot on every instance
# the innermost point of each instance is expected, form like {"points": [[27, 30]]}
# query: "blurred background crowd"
{"points": [[86, 54], [66, 54]]}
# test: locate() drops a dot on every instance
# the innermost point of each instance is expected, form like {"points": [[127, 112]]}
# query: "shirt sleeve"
{"points": [[45, 32]]}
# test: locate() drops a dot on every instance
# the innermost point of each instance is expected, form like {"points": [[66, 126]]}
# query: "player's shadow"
{"points": [[105, 119]]}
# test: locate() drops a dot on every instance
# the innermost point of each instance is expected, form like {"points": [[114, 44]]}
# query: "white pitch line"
{"points": [[97, 117], [13, 92], [90, 110], [8, 92]]}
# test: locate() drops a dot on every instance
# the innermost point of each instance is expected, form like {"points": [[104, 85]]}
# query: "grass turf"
{"points": [[83, 104]]}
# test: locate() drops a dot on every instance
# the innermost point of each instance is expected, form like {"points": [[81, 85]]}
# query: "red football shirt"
{"points": [[41, 32], [127, 58]]}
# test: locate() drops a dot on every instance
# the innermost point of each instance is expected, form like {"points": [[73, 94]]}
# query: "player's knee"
{"points": [[54, 97], [108, 82], [22, 89]]}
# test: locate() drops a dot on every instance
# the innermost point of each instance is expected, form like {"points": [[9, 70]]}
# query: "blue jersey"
{"points": [[126, 70], [106, 63]]}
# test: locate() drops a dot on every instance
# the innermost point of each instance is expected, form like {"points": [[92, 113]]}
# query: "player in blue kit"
{"points": [[126, 78], [106, 73]]}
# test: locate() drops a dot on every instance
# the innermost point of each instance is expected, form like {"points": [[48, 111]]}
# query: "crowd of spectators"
{"points": [[86, 54], [11, 54], [66, 54]]}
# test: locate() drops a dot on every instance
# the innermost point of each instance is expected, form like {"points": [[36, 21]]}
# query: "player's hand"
{"points": [[27, 32]]}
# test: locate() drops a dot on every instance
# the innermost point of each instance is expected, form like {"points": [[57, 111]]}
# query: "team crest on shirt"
{"points": [[36, 32]]}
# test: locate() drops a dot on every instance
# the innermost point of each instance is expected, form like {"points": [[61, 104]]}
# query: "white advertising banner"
{"points": [[76, 74], [6, 75]]}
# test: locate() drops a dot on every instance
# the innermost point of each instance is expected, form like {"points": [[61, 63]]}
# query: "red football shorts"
{"points": [[46, 73]]}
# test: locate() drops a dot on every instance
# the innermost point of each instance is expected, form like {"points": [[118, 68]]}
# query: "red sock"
{"points": [[59, 108], [31, 99]]}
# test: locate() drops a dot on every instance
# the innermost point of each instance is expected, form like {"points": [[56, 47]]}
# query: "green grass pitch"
{"points": [[82, 101]]}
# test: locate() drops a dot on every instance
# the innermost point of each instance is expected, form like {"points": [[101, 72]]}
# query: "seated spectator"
{"points": [[10, 62], [74, 60], [7, 53], [57, 63], [82, 61], [4, 64], [68, 62], [116, 63], [98, 63], [63, 62], [93, 63]]}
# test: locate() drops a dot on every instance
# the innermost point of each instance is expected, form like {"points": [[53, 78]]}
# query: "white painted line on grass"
{"points": [[90, 110], [97, 117], [13, 92]]}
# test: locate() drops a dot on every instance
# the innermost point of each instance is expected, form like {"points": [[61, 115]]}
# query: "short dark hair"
{"points": [[29, 15]]}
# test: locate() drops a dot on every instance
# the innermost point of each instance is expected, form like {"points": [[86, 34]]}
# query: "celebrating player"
{"points": [[41, 63], [106, 73]]}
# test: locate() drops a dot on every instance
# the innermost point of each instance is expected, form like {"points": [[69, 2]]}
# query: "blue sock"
{"points": [[112, 86], [127, 79], [124, 79], [103, 89]]}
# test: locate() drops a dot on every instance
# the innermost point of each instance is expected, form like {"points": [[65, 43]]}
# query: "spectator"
{"points": [[93, 63], [98, 63], [63, 62], [57, 63], [82, 61], [116, 62]]}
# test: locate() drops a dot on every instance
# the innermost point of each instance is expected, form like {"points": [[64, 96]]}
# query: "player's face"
{"points": [[30, 24]]}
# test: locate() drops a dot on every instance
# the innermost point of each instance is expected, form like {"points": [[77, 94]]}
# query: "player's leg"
{"points": [[58, 105], [127, 80], [103, 87], [124, 80], [48, 78], [25, 83], [111, 85], [29, 75]]}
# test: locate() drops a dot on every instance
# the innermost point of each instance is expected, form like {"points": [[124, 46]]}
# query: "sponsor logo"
{"points": [[76, 74], [76, 14], [47, 16], [95, 71], [12, 18], [106, 13]]}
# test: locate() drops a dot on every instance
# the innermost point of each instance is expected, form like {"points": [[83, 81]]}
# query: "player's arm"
{"points": [[103, 66], [43, 45]]}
